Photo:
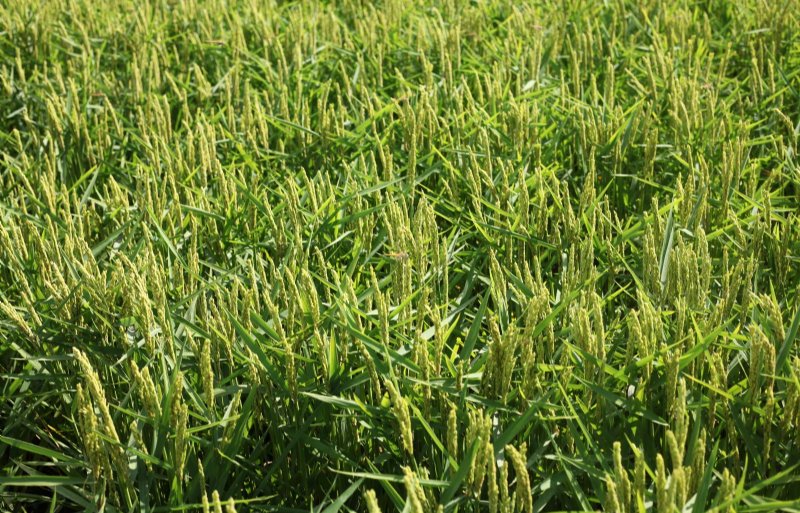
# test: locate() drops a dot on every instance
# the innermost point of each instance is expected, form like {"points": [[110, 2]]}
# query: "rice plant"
{"points": [[448, 256]]}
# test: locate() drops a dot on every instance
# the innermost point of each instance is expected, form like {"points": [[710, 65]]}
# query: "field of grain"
{"points": [[399, 256]]}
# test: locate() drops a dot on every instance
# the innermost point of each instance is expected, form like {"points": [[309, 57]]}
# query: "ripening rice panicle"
{"points": [[88, 427], [372, 501], [414, 492], [762, 365], [498, 287], [530, 379], [322, 345], [401, 241], [403, 416], [216, 502], [424, 236], [383, 308], [589, 335], [138, 300], [292, 298], [312, 297], [201, 476], [636, 345], [497, 375], [485, 459], [234, 408], [679, 425], [438, 338], [677, 487], [675, 450], [726, 491], [769, 418], [372, 371], [522, 491], [662, 496], [11, 313], [274, 312], [650, 267], [718, 377], [699, 463], [147, 390], [493, 490], [683, 279], [477, 436], [770, 306], [207, 374], [624, 490], [638, 477], [791, 412], [598, 326], [421, 353], [291, 369], [95, 388], [612, 503], [681, 331], [505, 504], [138, 442], [732, 280], [180, 419]]}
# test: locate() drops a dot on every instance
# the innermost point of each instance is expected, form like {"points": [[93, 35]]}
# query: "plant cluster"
{"points": [[445, 256]]}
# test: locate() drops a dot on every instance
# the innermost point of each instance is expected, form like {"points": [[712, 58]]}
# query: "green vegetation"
{"points": [[405, 256]]}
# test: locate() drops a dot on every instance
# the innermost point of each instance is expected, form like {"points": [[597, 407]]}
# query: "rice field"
{"points": [[399, 256]]}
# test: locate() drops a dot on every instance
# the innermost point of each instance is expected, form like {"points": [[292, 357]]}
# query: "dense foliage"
{"points": [[399, 256]]}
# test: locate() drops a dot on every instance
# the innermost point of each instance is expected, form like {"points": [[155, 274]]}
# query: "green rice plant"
{"points": [[399, 256]]}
